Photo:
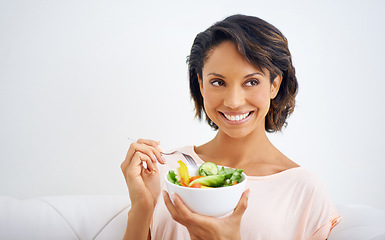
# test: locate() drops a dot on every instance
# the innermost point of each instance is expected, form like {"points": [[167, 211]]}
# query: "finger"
{"points": [[152, 149], [130, 153], [149, 142], [149, 163], [242, 204], [146, 149], [152, 152], [123, 166], [156, 145], [147, 175], [128, 159], [138, 160], [128, 167], [171, 208]]}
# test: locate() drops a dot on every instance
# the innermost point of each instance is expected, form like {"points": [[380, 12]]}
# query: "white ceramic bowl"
{"points": [[213, 202]]}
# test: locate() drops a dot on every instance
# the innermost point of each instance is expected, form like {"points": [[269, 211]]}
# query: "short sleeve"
{"points": [[324, 230], [324, 209]]}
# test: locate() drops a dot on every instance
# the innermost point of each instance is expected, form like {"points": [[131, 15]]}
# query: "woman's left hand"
{"points": [[204, 227]]}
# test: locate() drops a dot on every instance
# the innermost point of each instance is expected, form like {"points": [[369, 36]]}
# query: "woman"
{"points": [[243, 81]]}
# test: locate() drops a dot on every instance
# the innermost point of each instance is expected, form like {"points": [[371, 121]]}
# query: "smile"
{"points": [[237, 117]]}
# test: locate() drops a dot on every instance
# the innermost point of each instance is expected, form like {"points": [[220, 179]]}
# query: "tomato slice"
{"points": [[196, 185]]}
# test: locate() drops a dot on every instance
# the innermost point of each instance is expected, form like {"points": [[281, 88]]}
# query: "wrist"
{"points": [[144, 211], [143, 205], [143, 202], [138, 224]]}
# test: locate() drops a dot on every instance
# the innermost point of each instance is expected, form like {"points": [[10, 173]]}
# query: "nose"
{"points": [[234, 98]]}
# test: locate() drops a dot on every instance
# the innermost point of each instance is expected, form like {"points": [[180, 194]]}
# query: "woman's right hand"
{"points": [[143, 183]]}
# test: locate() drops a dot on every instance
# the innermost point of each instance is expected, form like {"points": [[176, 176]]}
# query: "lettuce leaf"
{"points": [[230, 175], [171, 176]]}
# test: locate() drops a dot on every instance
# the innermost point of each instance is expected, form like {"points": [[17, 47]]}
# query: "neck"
{"points": [[231, 151]]}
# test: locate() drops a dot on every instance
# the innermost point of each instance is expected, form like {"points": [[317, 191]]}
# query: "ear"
{"points": [[274, 87]]}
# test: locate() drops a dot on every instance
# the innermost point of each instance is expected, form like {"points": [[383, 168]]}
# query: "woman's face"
{"points": [[236, 94]]}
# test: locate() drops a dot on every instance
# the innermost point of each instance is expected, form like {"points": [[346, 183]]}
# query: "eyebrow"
{"points": [[216, 74], [252, 74], [248, 75]]}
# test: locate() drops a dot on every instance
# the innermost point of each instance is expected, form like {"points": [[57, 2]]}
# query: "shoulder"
{"points": [[309, 192], [311, 186], [299, 180], [309, 177]]}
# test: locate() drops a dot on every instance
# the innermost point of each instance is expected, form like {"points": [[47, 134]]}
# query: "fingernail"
{"points": [[163, 159]]}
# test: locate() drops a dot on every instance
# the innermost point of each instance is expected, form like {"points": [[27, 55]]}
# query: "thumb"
{"points": [[242, 204]]}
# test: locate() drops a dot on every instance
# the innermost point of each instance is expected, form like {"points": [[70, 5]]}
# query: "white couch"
{"points": [[104, 217]]}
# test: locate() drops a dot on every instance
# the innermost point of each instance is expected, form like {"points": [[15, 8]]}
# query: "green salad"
{"points": [[209, 176]]}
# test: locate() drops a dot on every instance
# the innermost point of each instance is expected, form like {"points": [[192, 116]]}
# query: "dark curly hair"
{"points": [[261, 44]]}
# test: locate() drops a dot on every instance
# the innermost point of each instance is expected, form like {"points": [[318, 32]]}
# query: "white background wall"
{"points": [[79, 77]]}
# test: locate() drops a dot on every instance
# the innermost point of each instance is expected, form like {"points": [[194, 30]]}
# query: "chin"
{"points": [[235, 133], [239, 132]]}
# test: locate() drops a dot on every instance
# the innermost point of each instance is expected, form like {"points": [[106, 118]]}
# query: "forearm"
{"points": [[138, 224]]}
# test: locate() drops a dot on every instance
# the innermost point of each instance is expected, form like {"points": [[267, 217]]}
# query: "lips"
{"points": [[236, 117]]}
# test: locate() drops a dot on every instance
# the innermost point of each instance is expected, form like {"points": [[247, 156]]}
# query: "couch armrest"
{"points": [[64, 217]]}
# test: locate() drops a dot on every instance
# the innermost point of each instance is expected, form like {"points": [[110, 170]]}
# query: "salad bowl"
{"points": [[213, 201]]}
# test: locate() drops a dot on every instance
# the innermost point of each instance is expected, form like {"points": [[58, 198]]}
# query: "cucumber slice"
{"points": [[208, 169]]}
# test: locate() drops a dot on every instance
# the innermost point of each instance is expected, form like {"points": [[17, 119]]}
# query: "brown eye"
{"points": [[251, 83], [217, 82]]}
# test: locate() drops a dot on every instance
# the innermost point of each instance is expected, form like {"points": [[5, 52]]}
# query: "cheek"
{"points": [[261, 99], [211, 99]]}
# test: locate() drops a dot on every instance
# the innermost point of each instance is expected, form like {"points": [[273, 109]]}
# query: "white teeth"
{"points": [[236, 117]]}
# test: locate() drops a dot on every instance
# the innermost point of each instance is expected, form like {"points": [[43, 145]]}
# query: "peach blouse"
{"points": [[292, 204]]}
